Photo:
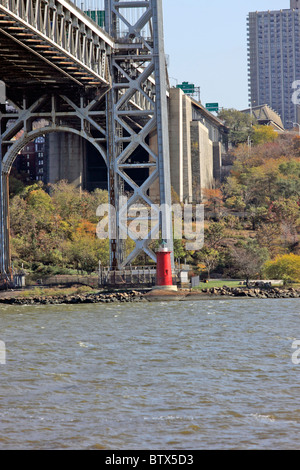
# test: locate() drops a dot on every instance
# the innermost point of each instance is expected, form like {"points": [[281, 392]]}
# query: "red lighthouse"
{"points": [[164, 269]]}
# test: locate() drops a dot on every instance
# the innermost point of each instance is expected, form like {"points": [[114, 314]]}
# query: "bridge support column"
{"points": [[136, 108], [4, 210], [66, 159], [5, 261]]}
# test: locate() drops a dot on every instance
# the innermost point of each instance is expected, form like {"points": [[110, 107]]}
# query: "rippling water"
{"points": [[215, 374]]}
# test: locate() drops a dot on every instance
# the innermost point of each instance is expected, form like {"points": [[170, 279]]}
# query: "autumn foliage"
{"points": [[252, 226], [53, 229], [258, 205]]}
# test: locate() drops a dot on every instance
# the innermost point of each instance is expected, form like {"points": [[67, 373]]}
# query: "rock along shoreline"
{"points": [[153, 295]]}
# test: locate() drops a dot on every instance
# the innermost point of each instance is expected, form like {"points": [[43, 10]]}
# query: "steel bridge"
{"points": [[64, 73]]}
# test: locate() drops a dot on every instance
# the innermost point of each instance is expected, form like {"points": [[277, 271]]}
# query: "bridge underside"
{"points": [[32, 65], [28, 74], [63, 73]]}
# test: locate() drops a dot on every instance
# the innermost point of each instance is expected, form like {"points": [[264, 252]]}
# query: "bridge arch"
{"points": [[13, 151]]}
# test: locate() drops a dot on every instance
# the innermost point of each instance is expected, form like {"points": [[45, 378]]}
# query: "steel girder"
{"points": [[61, 35], [137, 122], [52, 113]]}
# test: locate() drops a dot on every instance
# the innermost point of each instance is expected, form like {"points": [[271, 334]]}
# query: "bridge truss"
{"points": [[64, 73]]}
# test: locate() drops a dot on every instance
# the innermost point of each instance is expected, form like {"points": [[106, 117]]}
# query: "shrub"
{"points": [[286, 267]]}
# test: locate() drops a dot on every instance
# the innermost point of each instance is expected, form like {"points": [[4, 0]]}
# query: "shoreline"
{"points": [[154, 295]]}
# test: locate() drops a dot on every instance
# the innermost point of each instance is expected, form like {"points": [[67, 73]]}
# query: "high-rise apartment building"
{"points": [[274, 61]]}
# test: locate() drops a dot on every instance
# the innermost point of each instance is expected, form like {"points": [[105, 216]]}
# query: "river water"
{"points": [[209, 374]]}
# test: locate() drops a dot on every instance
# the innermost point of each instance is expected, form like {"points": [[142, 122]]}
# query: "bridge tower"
{"points": [[137, 123]]}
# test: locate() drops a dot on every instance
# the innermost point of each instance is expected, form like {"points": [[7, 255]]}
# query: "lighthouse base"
{"points": [[173, 288]]}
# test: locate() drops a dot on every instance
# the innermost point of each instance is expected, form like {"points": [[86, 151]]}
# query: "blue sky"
{"points": [[206, 42]]}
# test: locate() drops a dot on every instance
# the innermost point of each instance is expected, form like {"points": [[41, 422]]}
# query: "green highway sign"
{"points": [[98, 16], [186, 87], [212, 107]]}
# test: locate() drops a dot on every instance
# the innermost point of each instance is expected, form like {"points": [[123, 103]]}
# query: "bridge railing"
{"points": [[129, 276]]}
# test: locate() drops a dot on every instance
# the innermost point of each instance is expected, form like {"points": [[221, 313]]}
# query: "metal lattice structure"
{"points": [[137, 113], [65, 73]]}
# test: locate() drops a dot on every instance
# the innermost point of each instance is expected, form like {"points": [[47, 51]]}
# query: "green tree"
{"points": [[288, 180], [209, 257], [40, 204], [16, 185], [286, 211], [257, 215], [239, 124], [179, 250], [290, 168], [214, 234], [268, 236], [85, 252]]}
